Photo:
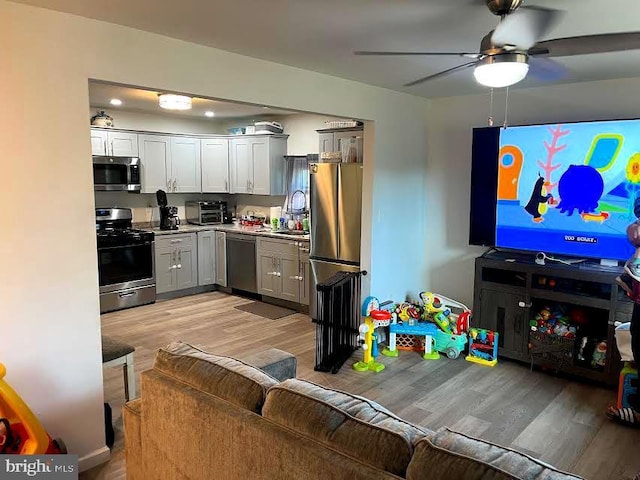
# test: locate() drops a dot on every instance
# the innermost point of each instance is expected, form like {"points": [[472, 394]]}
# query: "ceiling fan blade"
{"points": [[547, 69], [524, 27], [584, 45], [440, 74], [391, 54]]}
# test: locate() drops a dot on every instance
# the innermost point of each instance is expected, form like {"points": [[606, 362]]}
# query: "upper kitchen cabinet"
{"points": [[333, 140], [113, 143], [155, 160], [214, 154], [257, 165], [170, 163], [185, 165]]}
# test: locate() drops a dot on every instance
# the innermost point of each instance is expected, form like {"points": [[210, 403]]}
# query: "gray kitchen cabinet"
{"points": [[169, 163], [206, 258], [289, 270], [214, 158], [326, 142], [185, 165], [267, 274], [221, 259], [331, 140], [165, 257], [114, 143], [155, 161], [176, 262], [283, 269], [187, 267], [256, 165]]}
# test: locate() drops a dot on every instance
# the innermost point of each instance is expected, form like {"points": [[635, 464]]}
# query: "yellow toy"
{"points": [[376, 318], [20, 430]]}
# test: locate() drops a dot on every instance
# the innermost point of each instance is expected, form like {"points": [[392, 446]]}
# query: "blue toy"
{"points": [[483, 347]]}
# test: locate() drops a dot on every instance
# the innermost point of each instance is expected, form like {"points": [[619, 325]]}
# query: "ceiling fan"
{"points": [[508, 53]]}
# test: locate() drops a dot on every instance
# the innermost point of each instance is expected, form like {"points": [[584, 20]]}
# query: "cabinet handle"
{"points": [[524, 304], [304, 250], [177, 241], [104, 146], [111, 147], [226, 185], [175, 188]]}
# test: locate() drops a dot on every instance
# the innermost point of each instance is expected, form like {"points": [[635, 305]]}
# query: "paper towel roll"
{"points": [[275, 212]]}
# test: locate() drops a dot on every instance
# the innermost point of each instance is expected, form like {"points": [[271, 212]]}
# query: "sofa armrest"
{"points": [[277, 363], [132, 416]]}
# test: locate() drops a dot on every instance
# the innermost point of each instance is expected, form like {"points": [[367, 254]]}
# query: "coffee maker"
{"points": [[168, 214]]}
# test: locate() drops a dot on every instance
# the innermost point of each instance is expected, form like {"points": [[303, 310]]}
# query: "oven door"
{"points": [[126, 266], [116, 174]]}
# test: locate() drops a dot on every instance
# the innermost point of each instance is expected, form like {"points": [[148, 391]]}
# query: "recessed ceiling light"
{"points": [[116, 102], [174, 102], [265, 108], [209, 114]]}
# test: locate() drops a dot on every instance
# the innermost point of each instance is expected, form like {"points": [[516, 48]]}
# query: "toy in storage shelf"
{"points": [[564, 334]]}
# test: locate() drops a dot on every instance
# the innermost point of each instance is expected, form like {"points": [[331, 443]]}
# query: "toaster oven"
{"points": [[206, 213]]}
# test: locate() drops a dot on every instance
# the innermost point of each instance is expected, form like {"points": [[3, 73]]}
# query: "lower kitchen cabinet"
{"points": [[267, 273], [176, 262], [206, 258], [283, 270], [221, 257], [289, 270]]}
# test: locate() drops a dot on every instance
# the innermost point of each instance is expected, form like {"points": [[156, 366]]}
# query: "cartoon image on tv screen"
{"points": [[568, 188]]}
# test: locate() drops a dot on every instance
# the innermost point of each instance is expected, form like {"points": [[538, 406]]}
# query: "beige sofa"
{"points": [[202, 416]]}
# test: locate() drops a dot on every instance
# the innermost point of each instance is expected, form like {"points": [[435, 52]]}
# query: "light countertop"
{"points": [[231, 228]]}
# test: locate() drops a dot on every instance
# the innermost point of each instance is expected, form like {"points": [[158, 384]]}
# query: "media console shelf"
{"points": [[510, 289]]}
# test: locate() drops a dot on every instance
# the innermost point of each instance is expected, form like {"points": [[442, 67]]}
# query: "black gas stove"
{"points": [[126, 265]]}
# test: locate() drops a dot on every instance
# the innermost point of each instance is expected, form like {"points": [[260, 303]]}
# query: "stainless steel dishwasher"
{"points": [[241, 262]]}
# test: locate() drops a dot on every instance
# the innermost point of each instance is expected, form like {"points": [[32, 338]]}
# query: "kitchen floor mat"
{"points": [[272, 312]]}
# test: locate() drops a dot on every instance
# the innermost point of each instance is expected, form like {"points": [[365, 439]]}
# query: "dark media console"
{"points": [[511, 289]]}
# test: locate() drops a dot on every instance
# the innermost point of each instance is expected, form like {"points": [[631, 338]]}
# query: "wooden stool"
{"points": [[114, 353]]}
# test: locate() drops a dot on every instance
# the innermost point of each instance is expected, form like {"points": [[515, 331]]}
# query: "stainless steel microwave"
{"points": [[116, 173]]}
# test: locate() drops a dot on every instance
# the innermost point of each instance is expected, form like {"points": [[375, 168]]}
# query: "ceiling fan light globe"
{"points": [[498, 72]]}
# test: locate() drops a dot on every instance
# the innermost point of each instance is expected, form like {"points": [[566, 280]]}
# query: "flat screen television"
{"points": [[566, 189]]}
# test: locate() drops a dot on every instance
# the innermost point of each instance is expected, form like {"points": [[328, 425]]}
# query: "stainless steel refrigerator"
{"points": [[336, 213]]}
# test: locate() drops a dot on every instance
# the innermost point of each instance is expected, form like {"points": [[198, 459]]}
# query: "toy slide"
{"points": [[20, 430]]}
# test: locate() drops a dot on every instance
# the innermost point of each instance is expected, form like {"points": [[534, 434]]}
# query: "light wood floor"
{"points": [[557, 420]]}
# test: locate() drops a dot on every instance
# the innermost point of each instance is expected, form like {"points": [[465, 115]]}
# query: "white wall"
{"points": [[49, 290], [451, 259], [159, 123]]}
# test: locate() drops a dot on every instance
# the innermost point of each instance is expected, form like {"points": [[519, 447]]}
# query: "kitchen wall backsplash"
{"points": [[257, 204], [144, 206]]}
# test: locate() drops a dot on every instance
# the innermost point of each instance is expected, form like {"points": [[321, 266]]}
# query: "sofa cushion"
{"points": [[447, 454], [224, 377], [348, 423]]}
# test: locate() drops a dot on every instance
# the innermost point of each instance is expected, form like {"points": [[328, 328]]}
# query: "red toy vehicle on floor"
{"points": [[20, 430]]}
